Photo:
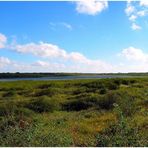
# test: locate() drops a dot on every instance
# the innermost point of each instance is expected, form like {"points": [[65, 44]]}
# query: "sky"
{"points": [[74, 36]]}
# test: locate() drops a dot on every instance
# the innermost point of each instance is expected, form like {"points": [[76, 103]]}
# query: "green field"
{"points": [[101, 112]]}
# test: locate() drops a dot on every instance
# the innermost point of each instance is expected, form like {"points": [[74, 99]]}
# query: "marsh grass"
{"points": [[74, 112]]}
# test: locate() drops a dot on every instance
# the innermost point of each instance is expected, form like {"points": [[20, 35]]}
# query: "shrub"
{"points": [[9, 94], [127, 104], [79, 90], [47, 92], [133, 81], [120, 134], [24, 111], [84, 101], [103, 90], [117, 81], [7, 108], [45, 86], [76, 105], [125, 82], [107, 101], [43, 104], [12, 135], [113, 86]]}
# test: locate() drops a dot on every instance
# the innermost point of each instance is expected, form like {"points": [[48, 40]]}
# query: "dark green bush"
{"points": [[43, 104], [47, 92], [117, 81], [112, 86], [9, 94], [45, 86], [79, 90], [107, 101], [76, 105], [82, 102], [103, 90], [125, 82]]}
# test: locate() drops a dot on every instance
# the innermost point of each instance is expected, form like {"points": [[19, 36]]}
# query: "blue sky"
{"points": [[82, 36]]}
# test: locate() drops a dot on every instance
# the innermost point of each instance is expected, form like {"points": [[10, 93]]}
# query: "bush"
{"points": [[117, 81], [47, 92], [103, 90], [45, 86], [14, 135], [76, 105], [43, 104], [84, 101], [107, 101], [113, 86], [9, 94], [127, 104], [125, 82], [120, 134], [80, 90], [7, 108]]}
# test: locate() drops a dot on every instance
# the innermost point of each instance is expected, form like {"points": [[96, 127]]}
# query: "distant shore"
{"points": [[41, 75]]}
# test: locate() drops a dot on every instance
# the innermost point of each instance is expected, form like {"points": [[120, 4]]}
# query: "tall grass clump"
{"points": [[43, 104], [121, 134]]}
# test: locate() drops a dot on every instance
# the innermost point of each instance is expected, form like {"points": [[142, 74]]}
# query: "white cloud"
{"points": [[91, 7], [129, 9], [135, 60], [73, 61], [4, 61], [3, 40], [49, 51], [142, 13], [136, 10], [134, 54], [143, 2], [42, 50], [132, 17], [55, 25], [66, 25], [135, 26]]}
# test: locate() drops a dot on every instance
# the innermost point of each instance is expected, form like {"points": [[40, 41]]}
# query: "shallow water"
{"points": [[65, 78]]}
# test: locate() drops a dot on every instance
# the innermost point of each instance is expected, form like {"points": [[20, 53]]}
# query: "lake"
{"points": [[65, 77]]}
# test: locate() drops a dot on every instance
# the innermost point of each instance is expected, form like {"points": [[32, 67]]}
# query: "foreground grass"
{"points": [[105, 112]]}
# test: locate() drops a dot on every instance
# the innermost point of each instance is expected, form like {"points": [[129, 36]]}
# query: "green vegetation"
{"points": [[101, 112]]}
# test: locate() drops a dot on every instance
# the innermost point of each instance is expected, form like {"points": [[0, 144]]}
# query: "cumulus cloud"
{"points": [[133, 18], [134, 54], [4, 61], [135, 10], [50, 51], [135, 26], [144, 3], [73, 61], [135, 60], [41, 49], [3, 40], [91, 7], [129, 9]]}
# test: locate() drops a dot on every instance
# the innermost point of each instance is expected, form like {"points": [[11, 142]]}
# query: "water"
{"points": [[65, 78]]}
